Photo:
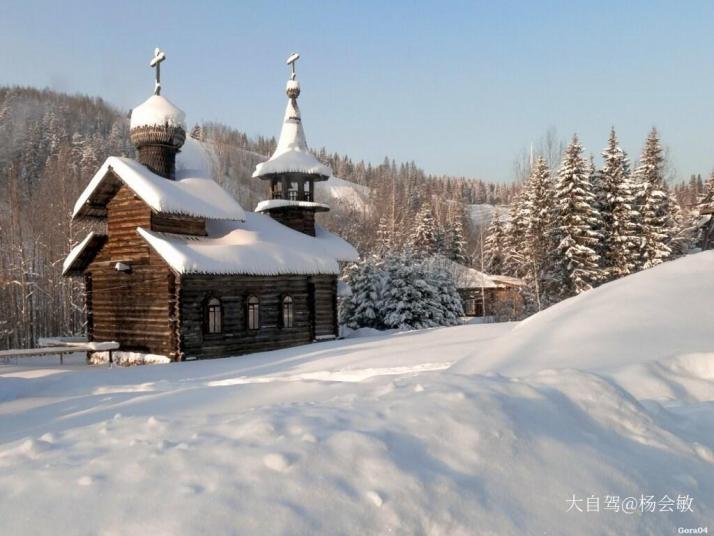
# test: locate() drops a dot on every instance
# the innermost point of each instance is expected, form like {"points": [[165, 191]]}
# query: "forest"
{"points": [[51, 144]]}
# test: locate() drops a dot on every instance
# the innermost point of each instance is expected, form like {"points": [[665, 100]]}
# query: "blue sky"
{"points": [[459, 87]]}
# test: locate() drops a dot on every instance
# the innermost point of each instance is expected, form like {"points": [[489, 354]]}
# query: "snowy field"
{"points": [[477, 429]]}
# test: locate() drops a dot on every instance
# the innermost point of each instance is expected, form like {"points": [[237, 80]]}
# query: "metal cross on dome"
{"points": [[291, 61], [159, 56]]}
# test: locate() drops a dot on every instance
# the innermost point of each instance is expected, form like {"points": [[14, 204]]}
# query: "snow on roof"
{"points": [[464, 277], [157, 110], [193, 193], [505, 280], [92, 239], [279, 203], [292, 154], [258, 246]]}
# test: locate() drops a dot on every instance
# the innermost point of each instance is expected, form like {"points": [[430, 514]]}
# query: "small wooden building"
{"points": [[484, 295], [182, 271]]}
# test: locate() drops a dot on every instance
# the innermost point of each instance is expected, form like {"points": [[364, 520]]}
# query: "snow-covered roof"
{"points": [[505, 280], [292, 154], [81, 254], [280, 203], [464, 277], [193, 193], [157, 110], [257, 246]]}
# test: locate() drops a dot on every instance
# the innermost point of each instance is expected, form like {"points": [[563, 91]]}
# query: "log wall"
{"points": [[169, 223], [233, 291], [298, 218], [135, 308]]}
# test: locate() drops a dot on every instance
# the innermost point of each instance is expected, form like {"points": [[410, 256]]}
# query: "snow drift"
{"points": [[376, 435], [655, 314]]}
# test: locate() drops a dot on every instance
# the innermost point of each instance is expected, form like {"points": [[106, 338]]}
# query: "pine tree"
{"points": [[656, 208], [577, 261], [384, 236], [423, 240], [456, 242], [400, 292], [515, 261], [362, 308], [495, 247], [619, 216], [703, 217], [539, 247]]}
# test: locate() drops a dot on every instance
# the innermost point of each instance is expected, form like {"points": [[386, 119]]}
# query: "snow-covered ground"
{"points": [[476, 429]]}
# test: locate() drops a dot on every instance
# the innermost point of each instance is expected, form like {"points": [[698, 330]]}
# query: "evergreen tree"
{"points": [[656, 208], [456, 250], [450, 305], [577, 261], [400, 292], [515, 260], [495, 247], [703, 217], [539, 247], [618, 212], [423, 240], [362, 308], [384, 236]]}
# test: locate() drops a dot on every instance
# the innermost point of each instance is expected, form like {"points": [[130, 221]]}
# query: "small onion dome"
{"points": [[293, 89], [157, 121], [157, 111]]}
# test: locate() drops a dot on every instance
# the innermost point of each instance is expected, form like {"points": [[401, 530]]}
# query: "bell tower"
{"points": [[292, 170]]}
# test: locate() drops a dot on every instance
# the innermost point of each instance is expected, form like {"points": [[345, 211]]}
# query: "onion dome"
{"points": [[158, 128]]}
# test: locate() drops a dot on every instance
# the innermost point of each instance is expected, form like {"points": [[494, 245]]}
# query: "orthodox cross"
{"points": [[159, 56], [291, 61]]}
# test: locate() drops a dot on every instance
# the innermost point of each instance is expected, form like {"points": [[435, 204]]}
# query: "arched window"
{"points": [[253, 315], [287, 312], [214, 316]]}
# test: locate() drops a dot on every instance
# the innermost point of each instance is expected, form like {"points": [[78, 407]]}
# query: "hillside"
{"points": [[378, 435], [51, 144]]}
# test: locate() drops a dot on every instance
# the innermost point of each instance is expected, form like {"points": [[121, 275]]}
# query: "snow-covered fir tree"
{"points": [[703, 218], [577, 266], [400, 291], [456, 241], [515, 262], [362, 308], [656, 207], [450, 304], [384, 236], [423, 239], [494, 247], [617, 208], [539, 209]]}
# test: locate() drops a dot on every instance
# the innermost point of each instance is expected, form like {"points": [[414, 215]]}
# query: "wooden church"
{"points": [[181, 270]]}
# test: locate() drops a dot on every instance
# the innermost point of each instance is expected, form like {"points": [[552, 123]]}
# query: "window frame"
{"points": [[252, 313], [288, 306], [213, 316]]}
